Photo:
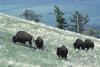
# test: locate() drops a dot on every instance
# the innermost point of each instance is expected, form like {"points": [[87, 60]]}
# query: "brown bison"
{"points": [[79, 44], [62, 52], [22, 37], [88, 44], [39, 42]]}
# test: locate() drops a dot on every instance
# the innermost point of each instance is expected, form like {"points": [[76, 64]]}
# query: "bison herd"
{"points": [[22, 37], [87, 44]]}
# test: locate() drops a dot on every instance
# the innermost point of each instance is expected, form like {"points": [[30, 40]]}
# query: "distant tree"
{"points": [[78, 21], [97, 33], [61, 23], [30, 15], [90, 31]]}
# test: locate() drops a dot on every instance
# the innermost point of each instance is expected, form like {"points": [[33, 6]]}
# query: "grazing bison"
{"points": [[39, 42], [88, 44], [22, 37], [79, 44], [62, 52]]}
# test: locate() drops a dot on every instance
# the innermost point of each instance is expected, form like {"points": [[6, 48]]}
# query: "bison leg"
{"points": [[30, 43], [87, 49], [92, 47], [65, 57], [15, 42], [23, 43], [58, 56], [74, 47]]}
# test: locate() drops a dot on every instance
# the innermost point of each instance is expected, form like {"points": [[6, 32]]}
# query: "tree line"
{"points": [[77, 21]]}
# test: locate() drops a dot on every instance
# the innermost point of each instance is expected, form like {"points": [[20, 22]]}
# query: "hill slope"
{"points": [[13, 55]]}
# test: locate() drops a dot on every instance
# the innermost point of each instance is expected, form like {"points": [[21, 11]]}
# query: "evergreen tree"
{"points": [[61, 23]]}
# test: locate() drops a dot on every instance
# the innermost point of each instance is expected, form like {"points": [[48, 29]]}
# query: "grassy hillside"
{"points": [[14, 55]]}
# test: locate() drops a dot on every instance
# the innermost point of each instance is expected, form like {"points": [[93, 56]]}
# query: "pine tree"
{"points": [[61, 23]]}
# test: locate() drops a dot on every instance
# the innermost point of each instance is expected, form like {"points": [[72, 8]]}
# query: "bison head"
{"points": [[14, 39]]}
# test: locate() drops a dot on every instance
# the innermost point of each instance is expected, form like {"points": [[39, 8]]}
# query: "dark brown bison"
{"points": [[62, 52], [22, 37], [88, 44], [79, 44], [39, 42]]}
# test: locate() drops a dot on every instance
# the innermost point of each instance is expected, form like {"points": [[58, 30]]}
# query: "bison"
{"points": [[22, 37], [39, 42], [79, 44], [88, 44], [62, 52]]}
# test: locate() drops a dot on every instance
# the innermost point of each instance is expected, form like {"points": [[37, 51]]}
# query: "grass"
{"points": [[14, 55]]}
